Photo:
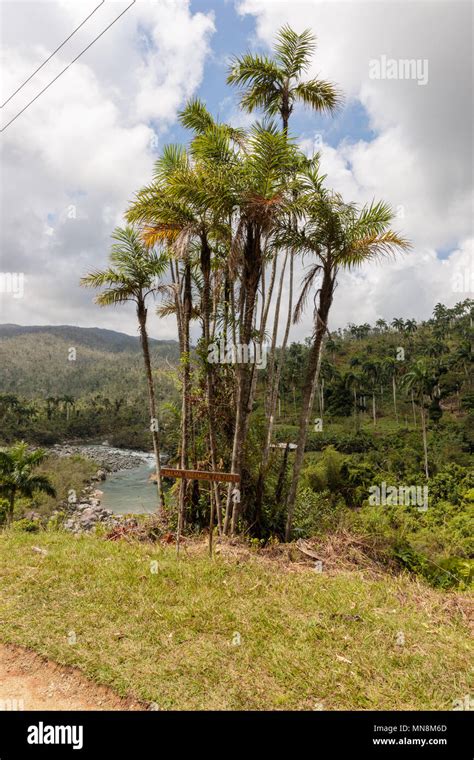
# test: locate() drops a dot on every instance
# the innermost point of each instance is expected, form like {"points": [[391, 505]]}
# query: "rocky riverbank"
{"points": [[84, 513], [108, 458], [81, 513]]}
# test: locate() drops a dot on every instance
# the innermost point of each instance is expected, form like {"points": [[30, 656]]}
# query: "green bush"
{"points": [[316, 513], [3, 510], [26, 526], [437, 543]]}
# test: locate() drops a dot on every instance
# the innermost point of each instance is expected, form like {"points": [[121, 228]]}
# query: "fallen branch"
{"points": [[305, 549]]}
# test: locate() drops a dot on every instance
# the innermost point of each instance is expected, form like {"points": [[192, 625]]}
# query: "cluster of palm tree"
{"points": [[359, 332], [215, 236]]}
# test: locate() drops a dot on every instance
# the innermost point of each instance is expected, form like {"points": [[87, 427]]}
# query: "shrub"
{"points": [[26, 526], [316, 513]]}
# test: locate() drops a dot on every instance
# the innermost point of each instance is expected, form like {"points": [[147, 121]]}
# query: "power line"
{"points": [[67, 67], [54, 53]]}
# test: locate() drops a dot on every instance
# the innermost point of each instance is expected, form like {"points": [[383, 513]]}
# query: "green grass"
{"points": [[167, 637]]}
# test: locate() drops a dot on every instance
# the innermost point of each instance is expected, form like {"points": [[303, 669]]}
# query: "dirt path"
{"points": [[29, 682]]}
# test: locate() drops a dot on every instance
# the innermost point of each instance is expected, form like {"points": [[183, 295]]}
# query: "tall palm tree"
{"points": [[419, 381], [339, 236], [371, 370], [352, 381], [275, 84], [233, 188], [133, 276], [390, 366], [184, 206], [17, 478], [263, 197]]}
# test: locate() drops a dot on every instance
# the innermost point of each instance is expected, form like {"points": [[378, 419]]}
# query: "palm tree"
{"points": [[390, 366], [371, 370], [232, 189], [352, 381], [419, 381], [133, 276], [186, 206], [275, 84], [68, 405], [263, 197], [339, 236], [16, 478], [398, 324], [411, 326]]}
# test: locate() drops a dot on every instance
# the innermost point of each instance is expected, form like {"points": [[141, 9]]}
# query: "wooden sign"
{"points": [[226, 477]]}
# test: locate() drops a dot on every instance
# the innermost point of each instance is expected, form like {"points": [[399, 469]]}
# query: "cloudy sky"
{"points": [[73, 159]]}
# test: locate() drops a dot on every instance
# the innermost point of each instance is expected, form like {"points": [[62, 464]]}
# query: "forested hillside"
{"points": [[76, 383], [39, 360]]}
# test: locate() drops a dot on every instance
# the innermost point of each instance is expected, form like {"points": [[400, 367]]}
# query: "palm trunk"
{"points": [[413, 408], [276, 319], [11, 507], [374, 413], [425, 440], [177, 301], [394, 389], [142, 312], [185, 406], [250, 279], [312, 376], [206, 309], [274, 384], [356, 413], [281, 477]]}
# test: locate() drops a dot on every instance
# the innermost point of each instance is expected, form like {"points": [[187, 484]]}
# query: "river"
{"points": [[127, 488], [130, 491]]}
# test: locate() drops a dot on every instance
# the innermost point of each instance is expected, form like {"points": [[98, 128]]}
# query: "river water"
{"points": [[130, 491], [127, 488]]}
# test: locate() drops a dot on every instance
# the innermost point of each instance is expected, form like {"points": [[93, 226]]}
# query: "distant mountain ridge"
{"points": [[93, 337], [35, 361]]}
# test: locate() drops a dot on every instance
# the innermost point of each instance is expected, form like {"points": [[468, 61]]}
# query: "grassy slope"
{"points": [[167, 637]]}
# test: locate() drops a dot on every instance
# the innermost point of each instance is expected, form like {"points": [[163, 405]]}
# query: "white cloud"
{"points": [[76, 156], [421, 158], [74, 159]]}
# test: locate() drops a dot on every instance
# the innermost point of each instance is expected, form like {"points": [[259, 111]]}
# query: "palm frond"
{"points": [[196, 117], [318, 94], [115, 296], [373, 246], [305, 290], [41, 483], [294, 51]]}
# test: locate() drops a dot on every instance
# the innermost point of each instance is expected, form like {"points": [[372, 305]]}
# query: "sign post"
{"points": [[209, 475]]}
